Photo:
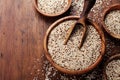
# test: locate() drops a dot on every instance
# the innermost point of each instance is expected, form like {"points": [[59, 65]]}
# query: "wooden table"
{"points": [[22, 30]]}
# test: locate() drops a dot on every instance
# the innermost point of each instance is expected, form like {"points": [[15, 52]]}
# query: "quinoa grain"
{"points": [[112, 22], [52, 6], [113, 70], [70, 56]]}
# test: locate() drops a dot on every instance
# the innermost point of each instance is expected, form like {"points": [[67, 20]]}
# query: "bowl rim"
{"points": [[74, 72], [114, 57], [107, 11], [52, 15]]}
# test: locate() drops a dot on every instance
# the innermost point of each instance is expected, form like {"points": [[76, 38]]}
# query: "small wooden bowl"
{"points": [[74, 72], [105, 12], [52, 15], [114, 57]]}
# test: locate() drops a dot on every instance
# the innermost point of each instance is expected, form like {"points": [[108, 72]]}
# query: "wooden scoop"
{"points": [[88, 4]]}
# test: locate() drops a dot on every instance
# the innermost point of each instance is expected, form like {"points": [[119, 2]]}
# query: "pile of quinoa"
{"points": [[113, 70], [70, 56], [112, 22], [52, 6]]}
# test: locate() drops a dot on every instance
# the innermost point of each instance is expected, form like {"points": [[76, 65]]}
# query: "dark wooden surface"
{"points": [[22, 30], [21, 39]]}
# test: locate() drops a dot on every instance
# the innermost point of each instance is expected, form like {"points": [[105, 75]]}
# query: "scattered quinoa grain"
{"points": [[77, 7], [70, 56]]}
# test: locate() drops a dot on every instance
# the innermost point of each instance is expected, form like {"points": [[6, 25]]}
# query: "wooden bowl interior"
{"points": [[115, 57], [74, 72], [107, 11], [52, 15]]}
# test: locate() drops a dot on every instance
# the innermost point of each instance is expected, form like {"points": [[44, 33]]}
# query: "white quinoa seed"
{"points": [[112, 22], [52, 6], [70, 56], [113, 70], [77, 7]]}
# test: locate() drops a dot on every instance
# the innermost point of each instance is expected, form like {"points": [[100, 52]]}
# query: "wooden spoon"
{"points": [[88, 4]]}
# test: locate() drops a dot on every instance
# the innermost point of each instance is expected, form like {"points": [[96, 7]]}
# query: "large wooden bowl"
{"points": [[52, 15], [75, 71], [105, 12], [114, 57]]}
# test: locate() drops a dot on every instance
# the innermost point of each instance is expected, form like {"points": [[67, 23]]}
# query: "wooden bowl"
{"points": [[105, 12], [52, 15], [74, 72], [114, 57]]}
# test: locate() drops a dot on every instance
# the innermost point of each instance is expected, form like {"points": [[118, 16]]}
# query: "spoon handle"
{"points": [[88, 4]]}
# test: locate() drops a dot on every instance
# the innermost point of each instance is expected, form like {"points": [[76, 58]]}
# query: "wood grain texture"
{"points": [[22, 31], [21, 39]]}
